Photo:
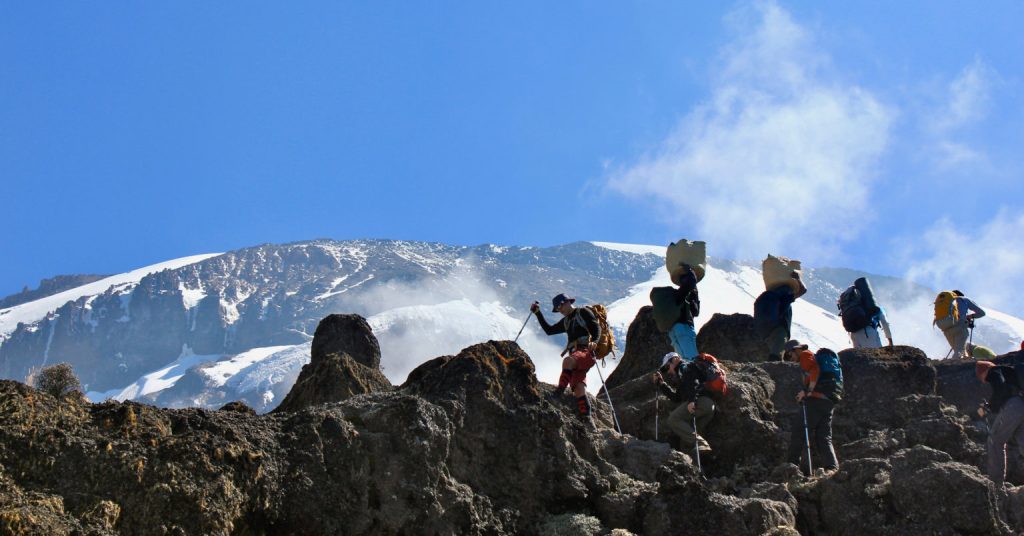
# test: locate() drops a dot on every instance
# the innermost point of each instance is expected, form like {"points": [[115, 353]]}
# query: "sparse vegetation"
{"points": [[58, 380]]}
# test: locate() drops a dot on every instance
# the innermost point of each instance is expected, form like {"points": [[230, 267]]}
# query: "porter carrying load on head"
{"points": [[862, 316], [675, 308], [773, 309], [1006, 437], [694, 386], [823, 388], [583, 330]]}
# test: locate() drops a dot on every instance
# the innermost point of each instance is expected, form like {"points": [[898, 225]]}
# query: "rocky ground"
{"points": [[473, 444]]}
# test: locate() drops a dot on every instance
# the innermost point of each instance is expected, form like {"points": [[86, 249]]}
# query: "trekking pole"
{"points": [[527, 321], [807, 441], [696, 443], [615, 418], [657, 395]]}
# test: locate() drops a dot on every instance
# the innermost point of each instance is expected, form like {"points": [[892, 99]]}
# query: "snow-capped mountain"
{"points": [[208, 329]]}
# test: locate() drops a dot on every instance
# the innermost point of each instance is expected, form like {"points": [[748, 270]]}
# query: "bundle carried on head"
{"points": [[692, 252], [778, 271]]}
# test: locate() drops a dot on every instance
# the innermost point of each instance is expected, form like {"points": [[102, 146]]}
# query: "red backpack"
{"points": [[715, 374]]}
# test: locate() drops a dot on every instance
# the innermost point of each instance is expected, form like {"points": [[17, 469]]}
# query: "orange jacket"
{"points": [[811, 371]]}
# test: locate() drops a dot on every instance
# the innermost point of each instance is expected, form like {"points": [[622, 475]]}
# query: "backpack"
{"points": [[851, 309], [946, 312], [714, 374], [666, 311], [605, 344], [830, 378]]}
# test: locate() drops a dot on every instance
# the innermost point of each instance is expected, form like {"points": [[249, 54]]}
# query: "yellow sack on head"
{"points": [[778, 271], [946, 311], [692, 252]]}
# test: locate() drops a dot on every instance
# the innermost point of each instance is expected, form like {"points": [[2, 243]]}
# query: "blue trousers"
{"points": [[684, 340]]}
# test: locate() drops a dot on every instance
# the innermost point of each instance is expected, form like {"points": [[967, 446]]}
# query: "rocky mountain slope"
{"points": [[209, 329], [471, 444]]}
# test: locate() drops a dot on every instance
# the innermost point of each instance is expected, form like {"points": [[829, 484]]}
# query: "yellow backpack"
{"points": [[946, 312], [606, 344]]}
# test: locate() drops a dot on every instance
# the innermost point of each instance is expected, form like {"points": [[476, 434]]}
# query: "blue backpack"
{"points": [[830, 381]]}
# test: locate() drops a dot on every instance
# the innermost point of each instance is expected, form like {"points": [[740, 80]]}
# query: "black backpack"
{"points": [[851, 309]]}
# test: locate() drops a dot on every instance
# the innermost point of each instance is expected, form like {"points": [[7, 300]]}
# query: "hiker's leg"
{"points": [[1004, 428], [684, 340], [797, 445], [582, 362], [568, 364], [962, 334], [705, 411], [819, 412], [679, 423], [776, 342], [1014, 463]]}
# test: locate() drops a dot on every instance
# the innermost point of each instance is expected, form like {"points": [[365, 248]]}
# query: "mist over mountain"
{"points": [[209, 329]]}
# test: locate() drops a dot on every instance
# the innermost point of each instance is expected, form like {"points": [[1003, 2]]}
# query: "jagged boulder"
{"points": [[957, 383], [915, 491], [732, 338], [645, 347], [344, 362]]}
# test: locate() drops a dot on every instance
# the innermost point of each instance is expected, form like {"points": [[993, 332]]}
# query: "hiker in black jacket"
{"points": [[583, 331], [773, 315], [682, 335], [1007, 432], [683, 382]]}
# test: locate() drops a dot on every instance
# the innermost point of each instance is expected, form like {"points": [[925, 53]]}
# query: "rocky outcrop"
{"points": [[474, 444], [345, 362], [645, 347], [732, 338]]}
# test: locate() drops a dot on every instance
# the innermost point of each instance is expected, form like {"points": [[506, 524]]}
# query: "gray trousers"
{"points": [[866, 338], [819, 425], [1008, 428], [680, 421], [957, 337]]}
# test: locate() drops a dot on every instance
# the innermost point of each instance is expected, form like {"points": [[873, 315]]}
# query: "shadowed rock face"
{"points": [[732, 338], [645, 347], [345, 362], [471, 444]]}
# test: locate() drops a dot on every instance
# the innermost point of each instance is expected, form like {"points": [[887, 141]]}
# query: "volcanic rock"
{"points": [[732, 338], [645, 348], [344, 362]]}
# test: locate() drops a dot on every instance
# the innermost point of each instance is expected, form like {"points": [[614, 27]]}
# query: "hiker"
{"points": [[773, 315], [684, 382], [682, 334], [583, 331], [862, 316], [820, 393], [869, 337], [1007, 432], [966, 312]]}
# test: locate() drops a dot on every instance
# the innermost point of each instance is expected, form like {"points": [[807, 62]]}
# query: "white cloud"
{"points": [[968, 97], [965, 102], [986, 263], [779, 158]]}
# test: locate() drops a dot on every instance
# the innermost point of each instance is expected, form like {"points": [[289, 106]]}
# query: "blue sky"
{"points": [[884, 136]]}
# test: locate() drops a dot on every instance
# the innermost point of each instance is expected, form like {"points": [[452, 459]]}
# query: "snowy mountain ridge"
{"points": [[208, 329]]}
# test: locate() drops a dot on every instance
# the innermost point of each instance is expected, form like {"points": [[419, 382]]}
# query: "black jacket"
{"points": [[685, 386], [581, 326], [686, 295], [1004, 384]]}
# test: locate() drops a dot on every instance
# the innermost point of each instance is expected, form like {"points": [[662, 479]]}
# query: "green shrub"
{"points": [[58, 380]]}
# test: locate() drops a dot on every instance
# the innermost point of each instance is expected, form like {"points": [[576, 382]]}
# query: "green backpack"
{"points": [[667, 311]]}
